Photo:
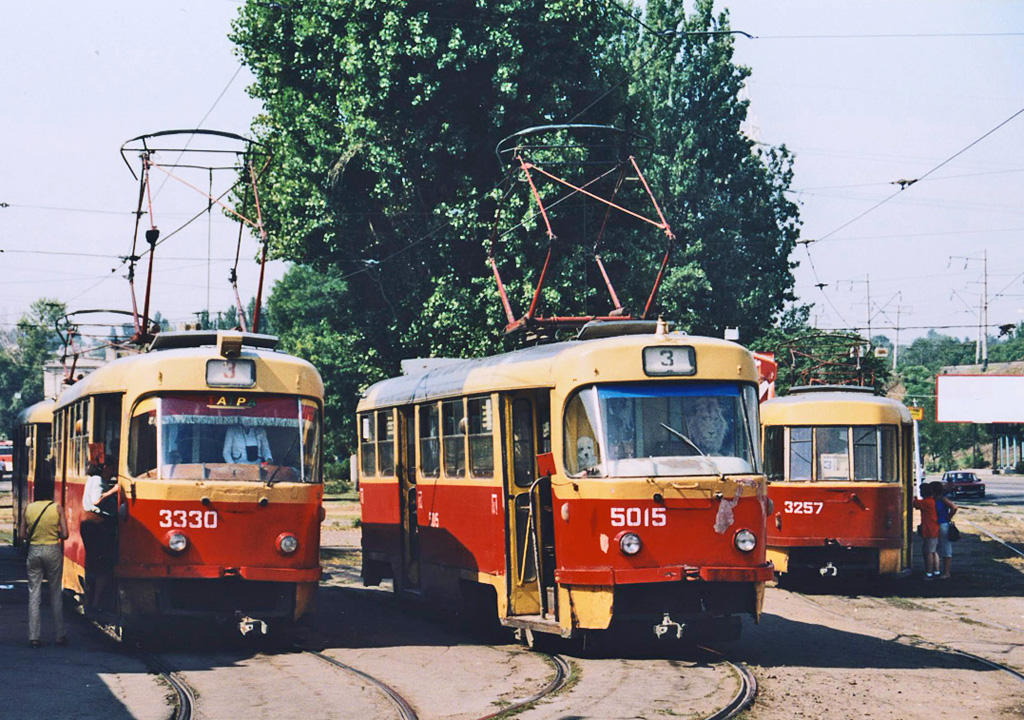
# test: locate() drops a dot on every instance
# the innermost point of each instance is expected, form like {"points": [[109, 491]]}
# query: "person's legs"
{"points": [[34, 566], [945, 550], [54, 565]]}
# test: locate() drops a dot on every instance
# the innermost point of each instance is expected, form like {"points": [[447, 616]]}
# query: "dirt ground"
{"points": [[837, 649]]}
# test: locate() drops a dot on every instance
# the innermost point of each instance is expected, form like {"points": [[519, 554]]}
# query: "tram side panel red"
{"points": [[850, 515], [462, 526], [381, 518]]}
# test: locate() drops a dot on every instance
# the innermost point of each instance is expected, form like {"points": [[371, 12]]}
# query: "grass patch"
{"points": [[904, 604]]}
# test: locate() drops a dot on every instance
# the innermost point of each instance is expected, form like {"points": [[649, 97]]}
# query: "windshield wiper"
{"points": [[692, 444], [270, 480]]}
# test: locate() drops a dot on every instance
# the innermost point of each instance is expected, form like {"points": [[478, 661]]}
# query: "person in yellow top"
{"points": [[43, 526]]}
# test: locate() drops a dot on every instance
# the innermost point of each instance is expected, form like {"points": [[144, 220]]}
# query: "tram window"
{"points": [[890, 471], [453, 419], [367, 446], [800, 454], [775, 453], [310, 440], [386, 442], [832, 448], [430, 441], [543, 423], [865, 453], [522, 442], [142, 444], [582, 444], [481, 437]]}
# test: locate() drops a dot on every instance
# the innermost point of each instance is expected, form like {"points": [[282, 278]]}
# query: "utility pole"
{"points": [[981, 346]]}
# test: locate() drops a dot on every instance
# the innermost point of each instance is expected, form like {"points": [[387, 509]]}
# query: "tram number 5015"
{"points": [[194, 519], [638, 517], [804, 507]]}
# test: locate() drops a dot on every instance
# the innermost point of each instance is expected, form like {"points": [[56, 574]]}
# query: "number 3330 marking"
{"points": [[803, 508], [188, 519]]}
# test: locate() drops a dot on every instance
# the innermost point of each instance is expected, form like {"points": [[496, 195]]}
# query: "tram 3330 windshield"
{"points": [[248, 437], [662, 429]]}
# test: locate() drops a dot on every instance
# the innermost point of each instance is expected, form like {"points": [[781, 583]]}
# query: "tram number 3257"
{"points": [[802, 507], [188, 519], [638, 517]]}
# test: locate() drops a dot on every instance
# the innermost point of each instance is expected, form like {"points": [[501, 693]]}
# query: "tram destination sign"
{"points": [[670, 360], [230, 373], [979, 398]]}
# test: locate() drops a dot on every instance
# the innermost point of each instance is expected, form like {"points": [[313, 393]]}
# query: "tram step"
{"points": [[537, 623]]}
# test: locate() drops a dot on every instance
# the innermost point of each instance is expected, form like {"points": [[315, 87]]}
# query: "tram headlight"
{"points": [[287, 543], [745, 541], [176, 542], [630, 543]]}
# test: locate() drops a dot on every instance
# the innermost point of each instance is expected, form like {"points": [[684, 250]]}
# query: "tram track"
{"points": [[186, 696], [744, 695], [403, 706]]}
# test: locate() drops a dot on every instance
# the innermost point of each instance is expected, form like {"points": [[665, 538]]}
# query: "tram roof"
{"points": [[41, 413], [544, 365], [833, 406], [184, 370]]}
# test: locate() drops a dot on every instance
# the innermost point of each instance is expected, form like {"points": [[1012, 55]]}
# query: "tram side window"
{"points": [[775, 453], [582, 445], [142, 445], [454, 423], [890, 464], [430, 441], [481, 437], [386, 442], [800, 453], [865, 453], [833, 452], [367, 446]]}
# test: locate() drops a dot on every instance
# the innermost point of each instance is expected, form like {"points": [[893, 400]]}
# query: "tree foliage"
{"points": [[383, 116], [32, 343]]}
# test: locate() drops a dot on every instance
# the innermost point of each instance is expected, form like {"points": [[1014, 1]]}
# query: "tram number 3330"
{"points": [[188, 519], [638, 517], [802, 507]]}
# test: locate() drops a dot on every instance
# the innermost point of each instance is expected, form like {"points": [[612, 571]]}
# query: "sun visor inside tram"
{"points": [[717, 388]]}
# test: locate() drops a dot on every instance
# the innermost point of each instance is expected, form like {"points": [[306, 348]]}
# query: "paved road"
{"points": [[999, 489]]}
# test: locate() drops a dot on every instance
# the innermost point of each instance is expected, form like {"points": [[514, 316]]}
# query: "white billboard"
{"points": [[979, 398]]}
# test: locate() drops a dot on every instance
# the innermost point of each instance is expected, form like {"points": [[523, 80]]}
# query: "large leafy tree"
{"points": [[33, 342], [383, 116]]}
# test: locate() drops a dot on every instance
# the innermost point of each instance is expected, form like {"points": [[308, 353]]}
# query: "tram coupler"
{"points": [[248, 624], [666, 625], [829, 570]]}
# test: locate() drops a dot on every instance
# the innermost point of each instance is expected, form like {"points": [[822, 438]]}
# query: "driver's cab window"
{"points": [[142, 452]]}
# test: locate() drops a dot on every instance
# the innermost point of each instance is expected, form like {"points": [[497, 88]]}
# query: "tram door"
{"points": [[531, 539], [407, 498]]}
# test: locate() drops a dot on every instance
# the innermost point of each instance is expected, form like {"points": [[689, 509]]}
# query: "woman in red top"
{"points": [[929, 531]]}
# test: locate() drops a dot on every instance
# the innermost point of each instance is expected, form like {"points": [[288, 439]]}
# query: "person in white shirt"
{"points": [[246, 444], [97, 531]]}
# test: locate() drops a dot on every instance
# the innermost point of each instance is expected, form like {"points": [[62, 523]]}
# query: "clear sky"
{"points": [[864, 93]]}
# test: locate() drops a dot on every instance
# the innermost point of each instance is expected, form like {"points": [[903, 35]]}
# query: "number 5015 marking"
{"points": [[805, 507], [194, 519], [637, 517]]}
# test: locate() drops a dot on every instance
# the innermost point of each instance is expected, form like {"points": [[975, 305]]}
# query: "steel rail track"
{"points": [[405, 710], [186, 698], [936, 646], [563, 674], [746, 693]]}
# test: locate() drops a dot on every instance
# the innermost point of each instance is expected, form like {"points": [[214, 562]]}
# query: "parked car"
{"points": [[963, 484]]}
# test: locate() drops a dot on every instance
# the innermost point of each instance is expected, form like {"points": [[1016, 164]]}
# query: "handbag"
{"points": [[954, 532]]}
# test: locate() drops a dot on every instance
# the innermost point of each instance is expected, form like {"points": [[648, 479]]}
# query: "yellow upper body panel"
{"points": [[834, 407], [184, 370], [563, 367], [39, 414]]}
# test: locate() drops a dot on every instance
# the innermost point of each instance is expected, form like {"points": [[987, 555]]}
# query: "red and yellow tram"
{"points": [[32, 474], [612, 482], [839, 462], [214, 443]]}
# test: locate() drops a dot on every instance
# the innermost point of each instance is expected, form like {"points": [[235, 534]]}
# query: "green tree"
{"points": [[33, 342], [383, 117]]}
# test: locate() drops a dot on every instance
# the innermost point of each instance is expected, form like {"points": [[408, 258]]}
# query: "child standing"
{"points": [[929, 530]]}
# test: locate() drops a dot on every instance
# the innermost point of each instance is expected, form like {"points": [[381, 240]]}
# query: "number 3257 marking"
{"points": [[188, 519], [803, 507]]}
